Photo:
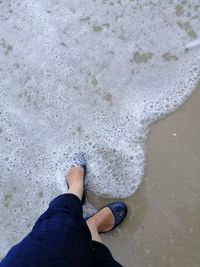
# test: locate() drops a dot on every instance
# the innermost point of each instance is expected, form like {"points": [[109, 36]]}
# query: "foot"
{"points": [[102, 221], [75, 175], [75, 180]]}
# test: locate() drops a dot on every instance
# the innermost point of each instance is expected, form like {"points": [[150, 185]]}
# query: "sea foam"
{"points": [[86, 76]]}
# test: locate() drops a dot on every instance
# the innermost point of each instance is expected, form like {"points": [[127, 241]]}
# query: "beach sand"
{"points": [[163, 225]]}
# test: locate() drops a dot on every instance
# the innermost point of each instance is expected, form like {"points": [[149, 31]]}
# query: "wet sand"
{"points": [[163, 225]]}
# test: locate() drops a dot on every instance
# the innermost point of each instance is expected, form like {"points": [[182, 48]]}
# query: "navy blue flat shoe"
{"points": [[119, 211]]}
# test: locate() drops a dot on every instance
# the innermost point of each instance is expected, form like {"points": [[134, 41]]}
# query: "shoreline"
{"points": [[162, 228]]}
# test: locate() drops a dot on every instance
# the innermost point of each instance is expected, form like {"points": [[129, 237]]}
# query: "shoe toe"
{"points": [[119, 210]]}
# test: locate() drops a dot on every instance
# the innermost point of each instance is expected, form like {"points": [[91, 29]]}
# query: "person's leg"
{"points": [[75, 181], [102, 221], [64, 217], [60, 236], [102, 257]]}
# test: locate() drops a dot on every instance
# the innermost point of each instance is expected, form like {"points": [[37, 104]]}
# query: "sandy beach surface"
{"points": [[163, 225], [89, 77]]}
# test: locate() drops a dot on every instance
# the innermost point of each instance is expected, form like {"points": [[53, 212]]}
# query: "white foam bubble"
{"points": [[86, 76]]}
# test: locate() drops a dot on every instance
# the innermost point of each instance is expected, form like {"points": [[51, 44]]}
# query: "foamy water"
{"points": [[87, 76]]}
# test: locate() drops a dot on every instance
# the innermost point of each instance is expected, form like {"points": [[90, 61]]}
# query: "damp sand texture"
{"points": [[85, 76], [163, 224]]}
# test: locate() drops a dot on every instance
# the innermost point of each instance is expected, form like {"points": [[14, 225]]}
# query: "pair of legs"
{"points": [[62, 238], [102, 221]]}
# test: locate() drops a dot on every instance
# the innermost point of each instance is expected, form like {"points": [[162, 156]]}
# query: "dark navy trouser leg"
{"points": [[101, 256], [60, 238]]}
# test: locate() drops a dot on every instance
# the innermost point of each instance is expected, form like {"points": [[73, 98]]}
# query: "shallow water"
{"points": [[163, 224], [86, 76]]}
